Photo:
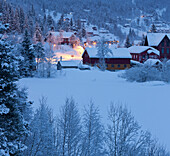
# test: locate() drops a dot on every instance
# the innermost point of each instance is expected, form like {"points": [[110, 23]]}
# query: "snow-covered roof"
{"points": [[140, 49], [71, 63], [116, 53], [152, 62], [64, 34], [155, 38]]}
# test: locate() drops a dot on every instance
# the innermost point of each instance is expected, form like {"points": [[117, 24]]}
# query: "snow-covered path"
{"points": [[149, 102]]}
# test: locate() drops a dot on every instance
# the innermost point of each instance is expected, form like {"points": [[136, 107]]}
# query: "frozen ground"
{"points": [[149, 102]]}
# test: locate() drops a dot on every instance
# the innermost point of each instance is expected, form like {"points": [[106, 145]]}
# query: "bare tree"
{"points": [[41, 141], [70, 127], [93, 132], [121, 132]]}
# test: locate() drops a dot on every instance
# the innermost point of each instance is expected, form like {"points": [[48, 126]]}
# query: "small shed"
{"points": [[67, 64]]}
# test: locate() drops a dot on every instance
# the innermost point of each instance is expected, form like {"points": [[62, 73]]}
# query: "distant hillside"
{"points": [[107, 14]]}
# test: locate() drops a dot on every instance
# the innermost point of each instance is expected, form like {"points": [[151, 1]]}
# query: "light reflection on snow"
{"points": [[69, 53]]}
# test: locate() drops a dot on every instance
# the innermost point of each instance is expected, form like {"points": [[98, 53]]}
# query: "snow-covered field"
{"points": [[149, 102]]}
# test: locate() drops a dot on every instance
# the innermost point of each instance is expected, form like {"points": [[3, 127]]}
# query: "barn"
{"points": [[118, 60]]}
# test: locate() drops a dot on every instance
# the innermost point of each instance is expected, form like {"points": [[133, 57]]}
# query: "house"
{"points": [[68, 64], [118, 60], [161, 42], [67, 38], [142, 53]]}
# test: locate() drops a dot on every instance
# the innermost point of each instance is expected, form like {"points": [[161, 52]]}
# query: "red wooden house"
{"points": [[142, 53], [161, 42], [63, 38], [119, 59]]}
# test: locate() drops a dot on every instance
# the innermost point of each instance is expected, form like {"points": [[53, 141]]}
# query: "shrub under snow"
{"points": [[147, 72]]}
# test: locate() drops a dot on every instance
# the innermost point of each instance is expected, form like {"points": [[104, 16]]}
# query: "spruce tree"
{"points": [[153, 28], [12, 125], [28, 55], [37, 34], [127, 42], [40, 57]]}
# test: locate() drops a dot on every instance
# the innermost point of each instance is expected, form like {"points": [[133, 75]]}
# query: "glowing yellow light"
{"points": [[76, 54], [94, 43]]}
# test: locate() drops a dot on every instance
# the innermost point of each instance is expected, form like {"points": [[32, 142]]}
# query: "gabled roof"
{"points": [[116, 53], [154, 39], [140, 49]]}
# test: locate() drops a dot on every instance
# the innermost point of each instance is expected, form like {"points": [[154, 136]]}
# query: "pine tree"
{"points": [[11, 20], [28, 55], [40, 58], [71, 24], [31, 27], [60, 22], [127, 42], [17, 21], [12, 125], [153, 28], [83, 31], [37, 34], [50, 21], [21, 20]]}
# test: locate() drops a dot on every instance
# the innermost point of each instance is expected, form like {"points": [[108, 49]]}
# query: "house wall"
{"points": [[140, 57]]}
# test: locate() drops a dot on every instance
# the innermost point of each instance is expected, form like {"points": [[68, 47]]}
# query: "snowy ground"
{"points": [[149, 102]]}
